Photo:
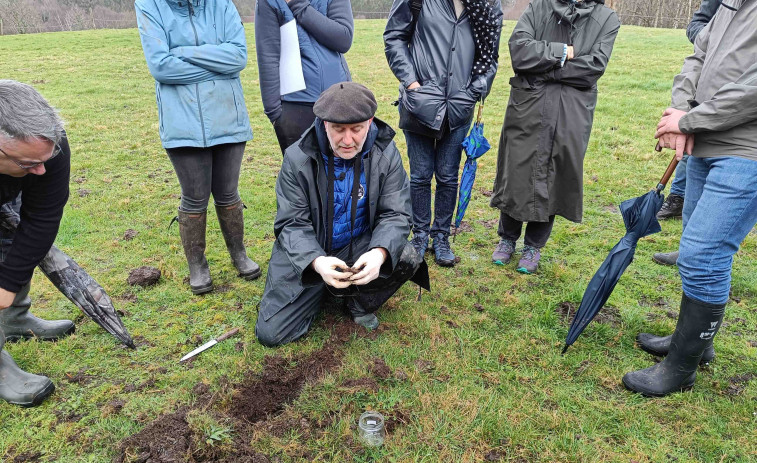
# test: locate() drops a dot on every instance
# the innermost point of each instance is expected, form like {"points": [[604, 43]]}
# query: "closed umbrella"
{"points": [[640, 217], [475, 145]]}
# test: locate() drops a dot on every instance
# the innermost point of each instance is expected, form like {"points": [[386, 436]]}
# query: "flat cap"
{"points": [[346, 103]]}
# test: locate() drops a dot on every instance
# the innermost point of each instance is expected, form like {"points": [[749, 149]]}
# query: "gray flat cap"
{"points": [[346, 103]]}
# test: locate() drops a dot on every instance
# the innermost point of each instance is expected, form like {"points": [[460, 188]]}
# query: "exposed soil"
{"points": [[143, 276], [365, 383], [608, 314], [254, 405], [464, 227], [738, 383], [130, 234], [485, 192]]}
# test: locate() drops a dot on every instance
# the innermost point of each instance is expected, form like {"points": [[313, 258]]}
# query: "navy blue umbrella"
{"points": [[640, 217]]}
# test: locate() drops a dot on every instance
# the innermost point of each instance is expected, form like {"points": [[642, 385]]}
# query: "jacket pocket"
{"points": [[160, 110], [460, 108], [238, 101], [426, 103]]}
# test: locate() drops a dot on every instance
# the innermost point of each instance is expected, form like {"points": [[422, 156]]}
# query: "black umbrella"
{"points": [[640, 217], [75, 284]]}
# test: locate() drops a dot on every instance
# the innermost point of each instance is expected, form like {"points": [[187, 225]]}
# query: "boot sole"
{"points": [[662, 262], [445, 263], [501, 262], [251, 276], [203, 290], [524, 271], [39, 398], [654, 394], [26, 337]]}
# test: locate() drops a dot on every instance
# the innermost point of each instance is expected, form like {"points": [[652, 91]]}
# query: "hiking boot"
{"points": [[503, 252], [19, 387], [192, 231], [698, 323], [660, 345], [529, 262], [231, 220], [362, 317], [672, 208], [18, 323], [665, 258], [420, 243], [442, 252]]}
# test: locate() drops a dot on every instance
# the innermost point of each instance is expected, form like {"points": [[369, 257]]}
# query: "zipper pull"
{"points": [[191, 10]]}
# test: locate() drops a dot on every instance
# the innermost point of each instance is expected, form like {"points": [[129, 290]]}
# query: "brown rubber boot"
{"points": [[192, 231], [231, 220]]}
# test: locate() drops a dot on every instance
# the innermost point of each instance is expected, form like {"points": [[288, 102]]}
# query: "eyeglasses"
{"points": [[32, 165]]}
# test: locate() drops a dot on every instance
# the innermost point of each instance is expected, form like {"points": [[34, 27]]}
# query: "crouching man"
{"points": [[342, 221]]}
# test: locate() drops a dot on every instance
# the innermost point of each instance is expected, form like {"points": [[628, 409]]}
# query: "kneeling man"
{"points": [[342, 221]]}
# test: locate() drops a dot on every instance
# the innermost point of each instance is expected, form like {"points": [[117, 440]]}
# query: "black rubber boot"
{"points": [[231, 220], [666, 258], [671, 208], [18, 323], [698, 324], [19, 387], [659, 345], [192, 231]]}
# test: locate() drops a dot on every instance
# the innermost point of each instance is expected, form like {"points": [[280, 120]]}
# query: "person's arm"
{"points": [[164, 66], [492, 72], [392, 222], [397, 37], [732, 105], [685, 83], [583, 71], [293, 226], [228, 57], [268, 49], [701, 18], [333, 31], [43, 199], [528, 55]]}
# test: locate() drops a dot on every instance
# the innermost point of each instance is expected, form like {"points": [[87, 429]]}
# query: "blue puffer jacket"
{"points": [[324, 29], [195, 52], [343, 189]]}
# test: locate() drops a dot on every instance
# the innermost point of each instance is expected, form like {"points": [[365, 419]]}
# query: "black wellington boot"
{"points": [[697, 325], [18, 323], [231, 220], [19, 387], [192, 231], [659, 345]]}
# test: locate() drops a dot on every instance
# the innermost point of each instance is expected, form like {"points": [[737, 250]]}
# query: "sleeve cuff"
{"points": [[564, 54]]}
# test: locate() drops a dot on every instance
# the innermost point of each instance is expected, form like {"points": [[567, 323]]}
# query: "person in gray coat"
{"points": [[432, 53], [342, 221], [559, 50]]}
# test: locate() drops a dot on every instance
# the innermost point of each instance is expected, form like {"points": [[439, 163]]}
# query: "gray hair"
{"points": [[25, 114]]}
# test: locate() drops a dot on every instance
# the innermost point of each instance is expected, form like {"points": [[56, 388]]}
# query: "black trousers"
{"points": [[295, 119], [294, 320], [537, 233]]}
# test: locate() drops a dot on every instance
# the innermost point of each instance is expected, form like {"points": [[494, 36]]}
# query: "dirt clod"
{"points": [[83, 192], [738, 383], [143, 276], [464, 227], [380, 369], [479, 307], [365, 383], [130, 234], [494, 455], [424, 366]]}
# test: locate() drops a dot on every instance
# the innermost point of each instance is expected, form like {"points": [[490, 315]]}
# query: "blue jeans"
{"points": [[428, 158], [719, 211], [678, 187]]}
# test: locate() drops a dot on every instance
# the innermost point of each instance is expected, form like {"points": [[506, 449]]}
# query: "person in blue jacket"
{"points": [[324, 31], [195, 51]]}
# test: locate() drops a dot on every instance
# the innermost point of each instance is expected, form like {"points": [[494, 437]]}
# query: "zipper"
{"points": [[197, 86]]}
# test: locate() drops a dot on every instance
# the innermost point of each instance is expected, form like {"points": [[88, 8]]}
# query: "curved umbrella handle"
{"points": [[668, 172]]}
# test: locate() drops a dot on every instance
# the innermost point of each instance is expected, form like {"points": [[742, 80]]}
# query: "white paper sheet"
{"points": [[291, 78]]}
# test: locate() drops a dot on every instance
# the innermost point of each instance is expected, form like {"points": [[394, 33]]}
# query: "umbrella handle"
{"points": [[668, 172], [480, 110]]}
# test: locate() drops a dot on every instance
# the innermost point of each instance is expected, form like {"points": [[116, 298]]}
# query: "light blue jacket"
{"points": [[195, 51]]}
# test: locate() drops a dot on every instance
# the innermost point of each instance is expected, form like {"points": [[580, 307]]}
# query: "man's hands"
{"points": [[570, 52], [413, 86], [365, 270], [669, 133], [6, 298], [327, 267], [369, 265]]}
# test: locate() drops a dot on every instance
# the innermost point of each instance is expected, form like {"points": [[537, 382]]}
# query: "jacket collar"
{"points": [[571, 11]]}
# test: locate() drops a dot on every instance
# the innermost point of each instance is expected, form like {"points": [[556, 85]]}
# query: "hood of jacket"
{"points": [[571, 11]]}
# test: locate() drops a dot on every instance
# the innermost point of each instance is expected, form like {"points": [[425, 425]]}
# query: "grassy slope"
{"points": [[499, 381]]}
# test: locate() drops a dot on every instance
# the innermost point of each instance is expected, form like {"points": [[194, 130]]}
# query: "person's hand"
{"points": [[669, 122], [682, 144], [6, 298], [570, 52], [327, 266], [369, 265], [413, 86]]}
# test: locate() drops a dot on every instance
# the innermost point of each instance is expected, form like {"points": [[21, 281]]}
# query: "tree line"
{"points": [[32, 16]]}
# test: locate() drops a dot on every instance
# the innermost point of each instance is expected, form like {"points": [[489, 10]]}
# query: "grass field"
{"points": [[473, 372]]}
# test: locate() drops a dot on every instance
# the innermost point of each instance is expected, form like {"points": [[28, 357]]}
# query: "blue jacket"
{"points": [[195, 52], [324, 29], [343, 189]]}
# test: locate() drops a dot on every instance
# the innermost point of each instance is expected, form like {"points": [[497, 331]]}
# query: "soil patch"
{"points": [[464, 227], [738, 383], [130, 234], [608, 314], [143, 276], [380, 369], [365, 383]]}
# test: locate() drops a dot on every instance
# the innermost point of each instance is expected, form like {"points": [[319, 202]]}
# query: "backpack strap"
{"points": [[415, 8]]}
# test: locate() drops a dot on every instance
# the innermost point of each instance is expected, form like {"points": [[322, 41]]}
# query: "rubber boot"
{"points": [[362, 317], [18, 323], [659, 345], [698, 324], [192, 231], [19, 387], [231, 220]]}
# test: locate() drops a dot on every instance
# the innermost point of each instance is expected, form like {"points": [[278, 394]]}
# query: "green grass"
{"points": [[499, 381]]}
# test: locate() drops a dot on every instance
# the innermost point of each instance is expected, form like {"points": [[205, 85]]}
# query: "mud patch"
{"points": [[80, 377], [130, 234], [737, 384], [364, 383], [486, 192], [608, 314], [83, 192], [143, 276], [464, 227], [380, 370]]}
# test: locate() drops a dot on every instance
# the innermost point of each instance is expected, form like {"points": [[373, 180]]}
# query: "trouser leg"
{"points": [[678, 187], [194, 169], [447, 166], [509, 228], [537, 233], [291, 322], [295, 119], [421, 154], [227, 162]]}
